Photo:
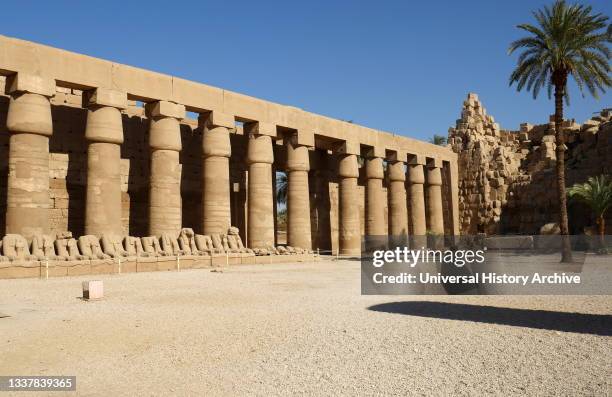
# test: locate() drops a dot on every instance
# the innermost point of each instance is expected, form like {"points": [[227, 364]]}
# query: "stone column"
{"points": [[398, 211], [416, 178], [216, 152], [349, 233], [434, 199], [298, 196], [30, 125], [165, 186], [104, 133], [454, 196], [260, 158], [375, 207]]}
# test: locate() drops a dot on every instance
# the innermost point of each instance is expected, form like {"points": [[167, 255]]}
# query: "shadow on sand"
{"points": [[596, 324]]}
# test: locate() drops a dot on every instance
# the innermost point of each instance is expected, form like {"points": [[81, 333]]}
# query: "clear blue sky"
{"points": [[399, 66]]}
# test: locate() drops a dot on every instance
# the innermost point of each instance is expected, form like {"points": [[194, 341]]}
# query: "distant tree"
{"points": [[567, 41], [438, 140], [282, 184], [597, 194]]}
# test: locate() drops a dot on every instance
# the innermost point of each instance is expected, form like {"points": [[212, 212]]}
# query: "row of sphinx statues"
{"points": [[64, 247]]}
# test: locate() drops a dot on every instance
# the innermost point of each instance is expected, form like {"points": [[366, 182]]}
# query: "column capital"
{"points": [[396, 171], [165, 134], [165, 109], [416, 174], [297, 156], [348, 166], [260, 150], [30, 113], [30, 83], [374, 168], [106, 97], [216, 142], [434, 176], [104, 124]]}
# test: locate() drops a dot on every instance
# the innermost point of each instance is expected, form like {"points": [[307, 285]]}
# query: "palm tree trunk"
{"points": [[601, 222], [566, 253]]}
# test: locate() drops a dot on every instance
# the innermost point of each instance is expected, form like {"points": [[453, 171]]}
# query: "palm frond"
{"points": [[596, 192], [282, 185], [567, 40]]}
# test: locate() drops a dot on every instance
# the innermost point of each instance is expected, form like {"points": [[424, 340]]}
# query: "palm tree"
{"points": [[568, 42], [282, 184], [597, 194], [438, 140]]}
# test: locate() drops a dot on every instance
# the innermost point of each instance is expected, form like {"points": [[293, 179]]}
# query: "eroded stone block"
{"points": [[93, 290]]}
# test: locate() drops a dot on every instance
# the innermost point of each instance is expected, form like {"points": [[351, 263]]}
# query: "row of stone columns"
{"points": [[30, 123], [348, 172]]}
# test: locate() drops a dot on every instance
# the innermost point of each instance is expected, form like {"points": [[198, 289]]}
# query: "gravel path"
{"points": [[299, 329]]}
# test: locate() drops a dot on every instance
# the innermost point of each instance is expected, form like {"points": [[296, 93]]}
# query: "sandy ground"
{"points": [[299, 329]]}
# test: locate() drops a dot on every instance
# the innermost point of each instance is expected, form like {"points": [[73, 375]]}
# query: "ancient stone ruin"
{"points": [[507, 179], [107, 166]]}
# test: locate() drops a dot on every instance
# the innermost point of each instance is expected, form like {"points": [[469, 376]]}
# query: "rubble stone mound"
{"points": [[507, 179]]}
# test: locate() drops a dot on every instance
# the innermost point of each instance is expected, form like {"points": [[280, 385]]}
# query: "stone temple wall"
{"points": [[507, 179]]}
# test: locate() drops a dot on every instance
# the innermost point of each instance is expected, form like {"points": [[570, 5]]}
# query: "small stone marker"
{"points": [[93, 290]]}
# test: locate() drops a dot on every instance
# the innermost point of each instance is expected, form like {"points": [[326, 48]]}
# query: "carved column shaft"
{"points": [[298, 197]]}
